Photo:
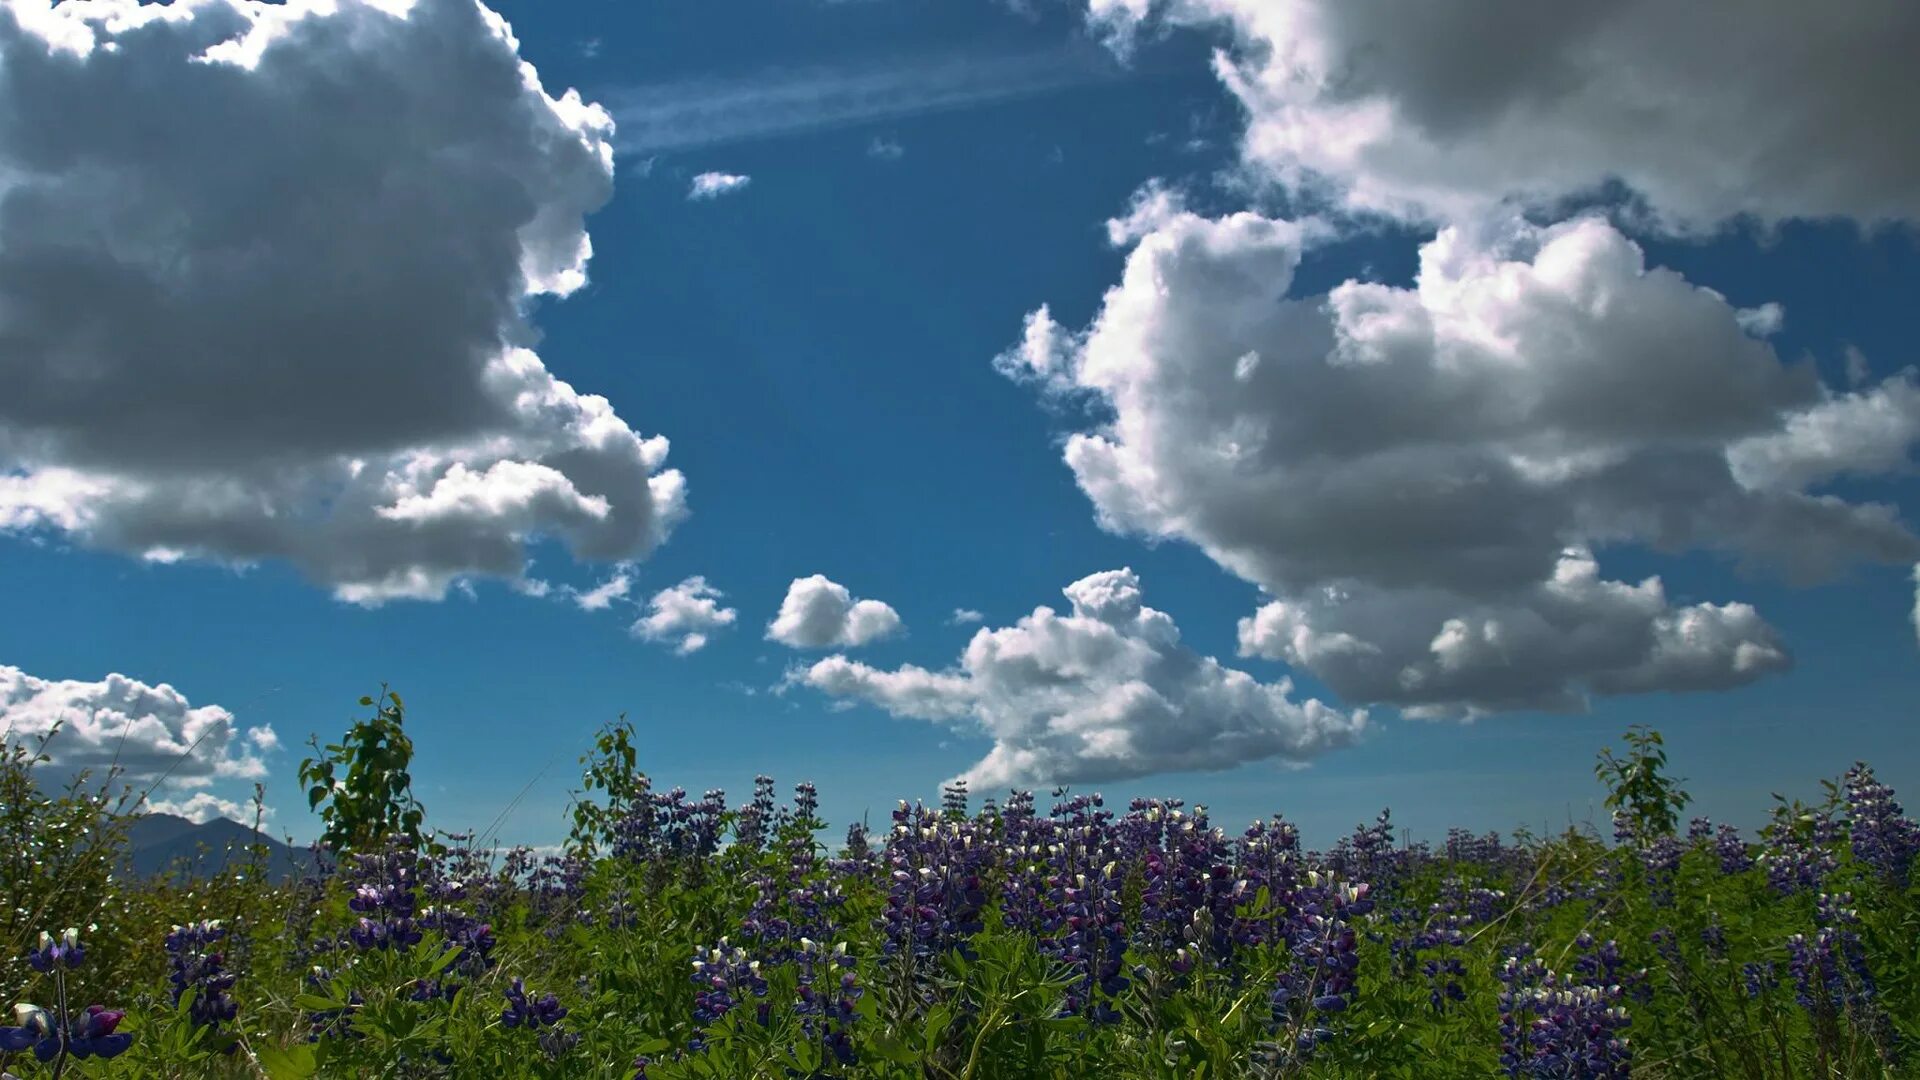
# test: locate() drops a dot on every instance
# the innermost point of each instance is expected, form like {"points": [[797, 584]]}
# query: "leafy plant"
{"points": [[361, 785]]}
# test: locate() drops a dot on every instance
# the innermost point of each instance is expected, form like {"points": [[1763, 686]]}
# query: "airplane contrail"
{"points": [[709, 112]]}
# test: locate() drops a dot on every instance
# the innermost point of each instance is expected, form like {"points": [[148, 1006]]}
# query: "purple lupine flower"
{"points": [[721, 973], [63, 951], [1562, 1028], [198, 964], [1319, 981], [1797, 857], [1883, 837], [828, 995], [89, 1033], [1831, 976], [525, 1011], [385, 896], [1734, 856], [750, 825]]}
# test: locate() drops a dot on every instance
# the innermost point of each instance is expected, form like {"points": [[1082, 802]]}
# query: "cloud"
{"points": [[264, 283], [965, 616], [1105, 692], [822, 614], [1777, 109], [1543, 649], [686, 614], [1860, 433], [1434, 452], [152, 733], [712, 185], [203, 807], [774, 103], [885, 149], [602, 596]]}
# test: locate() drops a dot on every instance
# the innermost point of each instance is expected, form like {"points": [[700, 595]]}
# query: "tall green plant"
{"points": [[612, 769], [361, 785], [1638, 786]]}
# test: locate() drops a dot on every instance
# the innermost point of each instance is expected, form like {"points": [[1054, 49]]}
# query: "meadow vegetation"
{"points": [[1056, 936]]}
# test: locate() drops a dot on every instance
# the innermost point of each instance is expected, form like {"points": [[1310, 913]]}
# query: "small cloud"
{"points": [[1763, 321], [590, 48], [686, 615], [602, 596], [203, 807], [965, 617], [819, 613], [1857, 370], [712, 185], [1056, 155], [885, 149]]}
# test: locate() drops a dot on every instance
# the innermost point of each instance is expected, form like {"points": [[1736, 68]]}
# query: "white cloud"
{"points": [[885, 149], [265, 272], [687, 615], [150, 732], [1542, 649], [1774, 108], [602, 596], [704, 111], [821, 614], [1104, 692], [203, 807], [1860, 433], [1433, 452], [965, 617], [712, 185]]}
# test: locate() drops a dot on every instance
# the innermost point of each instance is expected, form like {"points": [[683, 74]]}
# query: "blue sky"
{"points": [[818, 345]]}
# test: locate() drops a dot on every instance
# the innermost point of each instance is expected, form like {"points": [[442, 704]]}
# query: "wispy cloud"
{"points": [[776, 102], [712, 185]]}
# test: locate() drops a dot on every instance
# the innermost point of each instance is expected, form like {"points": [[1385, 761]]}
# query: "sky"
{"points": [[1286, 405]]}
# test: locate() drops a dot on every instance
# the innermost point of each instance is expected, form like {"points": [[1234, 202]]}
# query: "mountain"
{"points": [[160, 844]]}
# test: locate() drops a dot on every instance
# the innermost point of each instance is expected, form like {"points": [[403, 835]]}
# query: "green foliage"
{"points": [[361, 786], [1638, 786], [1705, 956], [612, 768]]}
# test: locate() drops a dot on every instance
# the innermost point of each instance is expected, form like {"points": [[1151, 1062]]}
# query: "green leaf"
{"points": [[294, 1062], [316, 1003]]}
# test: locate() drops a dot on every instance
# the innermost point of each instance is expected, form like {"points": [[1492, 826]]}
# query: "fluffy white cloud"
{"points": [[203, 807], [965, 617], [1864, 432], [1774, 108], [821, 614], [1431, 454], [1104, 692], [1542, 649], [686, 615], [151, 733], [264, 273], [712, 185]]}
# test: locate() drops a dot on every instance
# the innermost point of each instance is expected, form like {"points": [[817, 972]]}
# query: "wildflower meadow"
{"points": [[1024, 935]]}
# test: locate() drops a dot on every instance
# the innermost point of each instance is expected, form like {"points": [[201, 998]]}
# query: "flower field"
{"points": [[1033, 935]]}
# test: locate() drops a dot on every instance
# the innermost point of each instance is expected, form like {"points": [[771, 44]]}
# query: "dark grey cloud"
{"points": [[264, 281]]}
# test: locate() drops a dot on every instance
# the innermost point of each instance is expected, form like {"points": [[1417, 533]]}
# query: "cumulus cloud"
{"points": [[1708, 110], [1104, 692], [885, 149], [965, 617], [1432, 453], [821, 614], [712, 185], [151, 733], [1860, 433], [685, 615], [264, 273], [203, 807], [1543, 649]]}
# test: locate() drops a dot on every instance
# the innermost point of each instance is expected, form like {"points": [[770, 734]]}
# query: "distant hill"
{"points": [[161, 844]]}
